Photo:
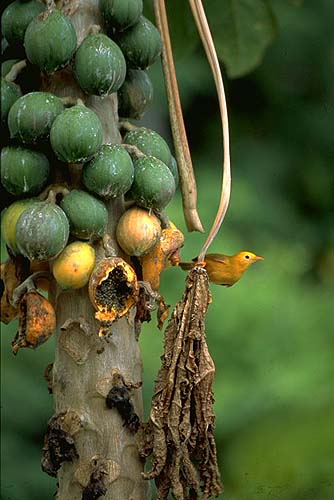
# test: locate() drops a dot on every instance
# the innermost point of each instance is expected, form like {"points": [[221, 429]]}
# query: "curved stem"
{"points": [[50, 4], [126, 125], [94, 29], [16, 70], [69, 100], [204, 31], [133, 150], [28, 285], [50, 192], [187, 179], [164, 219]]}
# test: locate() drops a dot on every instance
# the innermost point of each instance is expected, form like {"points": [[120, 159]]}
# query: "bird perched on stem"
{"points": [[222, 269]]}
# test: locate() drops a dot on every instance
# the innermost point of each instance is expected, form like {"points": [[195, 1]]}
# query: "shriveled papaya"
{"points": [[163, 255], [37, 321]]}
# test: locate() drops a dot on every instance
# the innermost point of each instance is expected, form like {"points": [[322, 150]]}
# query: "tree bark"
{"points": [[106, 455]]}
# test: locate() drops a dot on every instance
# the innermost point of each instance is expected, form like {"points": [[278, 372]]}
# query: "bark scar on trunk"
{"points": [[48, 377], [59, 446], [119, 396], [95, 475], [74, 339]]}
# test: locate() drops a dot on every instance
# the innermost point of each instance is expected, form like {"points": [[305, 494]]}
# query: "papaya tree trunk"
{"points": [[87, 445]]}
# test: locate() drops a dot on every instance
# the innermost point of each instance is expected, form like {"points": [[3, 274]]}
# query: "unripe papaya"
{"points": [[42, 231], [150, 143], [9, 219], [76, 134], [32, 115], [10, 93], [87, 215], [99, 65], [50, 41], [16, 17], [120, 14], [110, 172], [141, 44], [135, 94], [23, 171], [153, 185]]}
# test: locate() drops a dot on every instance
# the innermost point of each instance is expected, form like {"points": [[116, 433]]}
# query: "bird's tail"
{"points": [[186, 266]]}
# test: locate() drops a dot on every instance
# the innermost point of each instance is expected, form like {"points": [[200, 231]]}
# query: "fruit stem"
{"points": [[28, 285], [69, 100], [108, 246], [16, 70], [126, 125], [75, 170], [94, 29], [50, 4], [164, 219], [50, 192], [187, 178], [133, 150]]}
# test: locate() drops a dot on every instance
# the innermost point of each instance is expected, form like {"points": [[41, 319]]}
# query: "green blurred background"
{"points": [[271, 335]]}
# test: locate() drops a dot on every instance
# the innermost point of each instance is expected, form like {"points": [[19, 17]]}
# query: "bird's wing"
{"points": [[218, 257]]}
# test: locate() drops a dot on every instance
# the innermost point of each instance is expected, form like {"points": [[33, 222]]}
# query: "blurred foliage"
{"points": [[271, 334], [242, 31]]}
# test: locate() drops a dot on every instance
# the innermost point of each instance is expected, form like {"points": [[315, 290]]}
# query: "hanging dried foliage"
{"points": [[180, 431]]}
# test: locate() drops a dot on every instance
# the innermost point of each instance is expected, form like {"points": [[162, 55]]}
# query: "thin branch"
{"points": [[126, 125], [16, 70], [187, 179], [50, 4], [205, 34], [133, 150], [54, 189], [28, 285]]}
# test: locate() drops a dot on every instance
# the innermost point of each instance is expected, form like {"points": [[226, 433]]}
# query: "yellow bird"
{"points": [[225, 270]]}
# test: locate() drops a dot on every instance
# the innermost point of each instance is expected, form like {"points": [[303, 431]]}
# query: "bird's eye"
{"points": [[247, 256]]}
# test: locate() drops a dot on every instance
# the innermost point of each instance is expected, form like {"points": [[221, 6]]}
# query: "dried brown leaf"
{"points": [[181, 425]]}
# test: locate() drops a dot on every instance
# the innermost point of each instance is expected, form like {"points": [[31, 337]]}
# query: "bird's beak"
{"points": [[257, 257]]}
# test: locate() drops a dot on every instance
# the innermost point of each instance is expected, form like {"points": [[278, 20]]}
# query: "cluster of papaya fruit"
{"points": [[57, 224]]}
